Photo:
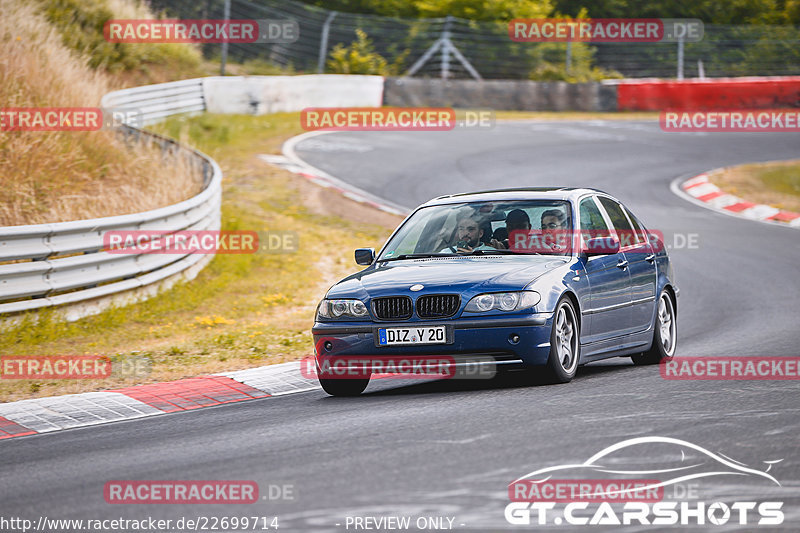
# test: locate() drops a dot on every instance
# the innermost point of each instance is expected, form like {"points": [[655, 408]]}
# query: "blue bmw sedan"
{"points": [[544, 279]]}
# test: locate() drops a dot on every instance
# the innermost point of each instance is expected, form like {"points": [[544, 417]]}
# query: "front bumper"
{"points": [[492, 336]]}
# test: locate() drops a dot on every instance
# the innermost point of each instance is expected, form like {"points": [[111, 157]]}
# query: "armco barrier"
{"points": [[512, 95], [156, 102], [63, 263], [608, 95], [252, 95]]}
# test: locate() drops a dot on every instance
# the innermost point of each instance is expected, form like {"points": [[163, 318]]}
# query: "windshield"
{"points": [[503, 227]]}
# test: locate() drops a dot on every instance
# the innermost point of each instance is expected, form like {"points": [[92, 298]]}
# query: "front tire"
{"points": [[665, 334], [565, 344]]}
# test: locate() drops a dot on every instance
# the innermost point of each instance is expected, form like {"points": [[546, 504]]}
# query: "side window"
{"points": [[640, 235], [625, 232], [591, 220]]}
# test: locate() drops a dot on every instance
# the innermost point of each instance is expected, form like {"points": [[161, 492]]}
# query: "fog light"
{"points": [[328, 346], [513, 338]]}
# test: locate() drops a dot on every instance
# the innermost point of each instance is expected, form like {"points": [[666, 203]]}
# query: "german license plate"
{"points": [[420, 335]]}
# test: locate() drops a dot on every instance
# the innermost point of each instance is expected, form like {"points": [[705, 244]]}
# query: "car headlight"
{"points": [[502, 301], [342, 308]]}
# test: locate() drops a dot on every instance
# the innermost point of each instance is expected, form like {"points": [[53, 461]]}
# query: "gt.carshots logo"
{"points": [[641, 490]]}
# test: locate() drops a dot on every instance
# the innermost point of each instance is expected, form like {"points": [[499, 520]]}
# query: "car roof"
{"points": [[520, 193]]}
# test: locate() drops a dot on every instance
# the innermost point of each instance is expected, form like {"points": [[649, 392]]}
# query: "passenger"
{"points": [[553, 220], [554, 238], [516, 220]]}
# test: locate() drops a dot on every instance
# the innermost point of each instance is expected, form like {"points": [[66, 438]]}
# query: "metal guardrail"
{"points": [[155, 102], [64, 263]]}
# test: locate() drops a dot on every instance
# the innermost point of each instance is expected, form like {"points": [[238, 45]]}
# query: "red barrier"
{"points": [[721, 93]]}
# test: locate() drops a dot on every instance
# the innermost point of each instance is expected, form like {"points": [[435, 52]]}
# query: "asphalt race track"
{"points": [[449, 449]]}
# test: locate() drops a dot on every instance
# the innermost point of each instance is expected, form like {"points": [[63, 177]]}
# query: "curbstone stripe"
{"points": [[711, 196], [44, 415]]}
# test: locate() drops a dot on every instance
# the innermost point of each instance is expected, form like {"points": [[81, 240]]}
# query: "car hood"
{"points": [[450, 274]]}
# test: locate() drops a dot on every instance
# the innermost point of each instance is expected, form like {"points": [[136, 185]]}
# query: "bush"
{"points": [[551, 64], [360, 57]]}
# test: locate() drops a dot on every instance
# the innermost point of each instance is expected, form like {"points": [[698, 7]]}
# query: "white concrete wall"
{"points": [[270, 94]]}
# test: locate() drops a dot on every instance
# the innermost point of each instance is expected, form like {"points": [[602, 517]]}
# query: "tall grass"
{"points": [[59, 176], [80, 25]]}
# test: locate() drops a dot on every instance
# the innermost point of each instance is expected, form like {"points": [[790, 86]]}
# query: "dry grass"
{"points": [[776, 183], [58, 176]]}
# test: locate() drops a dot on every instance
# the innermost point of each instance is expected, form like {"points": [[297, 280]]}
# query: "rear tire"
{"points": [[565, 344], [665, 334]]}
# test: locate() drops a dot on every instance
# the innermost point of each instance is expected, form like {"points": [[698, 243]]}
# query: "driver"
{"points": [[468, 236]]}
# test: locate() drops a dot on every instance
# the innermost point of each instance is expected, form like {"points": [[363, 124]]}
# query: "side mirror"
{"points": [[365, 256], [601, 246]]}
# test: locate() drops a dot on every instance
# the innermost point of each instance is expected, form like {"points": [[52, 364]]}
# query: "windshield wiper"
{"points": [[414, 256], [495, 252], [474, 252]]}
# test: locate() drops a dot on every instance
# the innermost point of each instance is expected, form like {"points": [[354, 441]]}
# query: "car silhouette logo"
{"points": [[695, 463]]}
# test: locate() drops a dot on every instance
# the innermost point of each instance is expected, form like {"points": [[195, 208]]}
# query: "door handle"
{"points": [[650, 258], [622, 264]]}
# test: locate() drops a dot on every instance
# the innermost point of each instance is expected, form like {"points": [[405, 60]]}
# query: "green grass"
{"points": [[782, 179], [232, 137]]}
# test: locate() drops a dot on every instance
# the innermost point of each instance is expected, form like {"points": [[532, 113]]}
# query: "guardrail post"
{"points": [[224, 58], [323, 42]]}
